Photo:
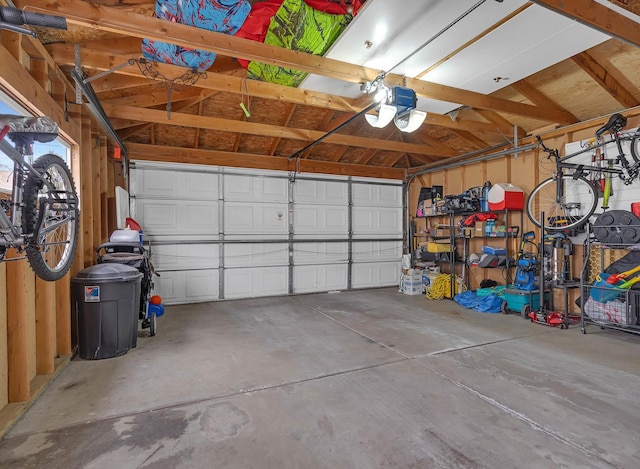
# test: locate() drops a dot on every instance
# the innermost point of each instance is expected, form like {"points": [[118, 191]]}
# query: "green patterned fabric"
{"points": [[297, 26]]}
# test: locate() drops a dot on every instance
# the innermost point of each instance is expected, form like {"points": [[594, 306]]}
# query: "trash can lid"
{"points": [[108, 271]]}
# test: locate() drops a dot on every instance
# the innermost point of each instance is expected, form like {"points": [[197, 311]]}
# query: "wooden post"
{"points": [[45, 326], [11, 42], [17, 330], [86, 192], [39, 71], [95, 186], [4, 366], [104, 205], [78, 262], [63, 316]]}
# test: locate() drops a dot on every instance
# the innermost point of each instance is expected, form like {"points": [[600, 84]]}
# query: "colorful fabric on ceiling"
{"points": [[223, 16], [298, 26]]}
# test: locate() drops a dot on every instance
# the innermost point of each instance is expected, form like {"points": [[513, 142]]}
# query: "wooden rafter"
{"points": [[471, 138], [534, 95], [276, 141], [602, 75], [597, 16], [227, 125], [136, 128], [248, 160]]}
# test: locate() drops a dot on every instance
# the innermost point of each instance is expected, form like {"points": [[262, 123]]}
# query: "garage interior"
{"points": [[280, 212]]}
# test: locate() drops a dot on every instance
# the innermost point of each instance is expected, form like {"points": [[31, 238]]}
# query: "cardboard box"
{"points": [[438, 247], [412, 283]]}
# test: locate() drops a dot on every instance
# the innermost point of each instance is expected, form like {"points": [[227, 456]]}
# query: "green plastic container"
{"points": [[517, 299]]}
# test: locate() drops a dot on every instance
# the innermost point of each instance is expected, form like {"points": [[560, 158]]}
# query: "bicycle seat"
{"points": [[25, 130], [615, 123]]}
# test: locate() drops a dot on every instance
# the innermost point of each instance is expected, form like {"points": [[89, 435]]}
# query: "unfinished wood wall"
{"points": [[524, 171], [35, 316]]}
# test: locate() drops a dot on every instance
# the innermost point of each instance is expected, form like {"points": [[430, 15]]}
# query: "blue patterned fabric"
{"points": [[223, 16]]}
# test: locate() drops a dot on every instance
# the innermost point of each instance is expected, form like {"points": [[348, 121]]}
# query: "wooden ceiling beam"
{"points": [[64, 53], [136, 128], [526, 89], [596, 16], [132, 24], [139, 151], [472, 139], [605, 79], [118, 82], [500, 122], [234, 126], [155, 98]]}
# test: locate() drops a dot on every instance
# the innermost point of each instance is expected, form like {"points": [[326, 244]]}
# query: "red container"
{"points": [[635, 209], [503, 196]]}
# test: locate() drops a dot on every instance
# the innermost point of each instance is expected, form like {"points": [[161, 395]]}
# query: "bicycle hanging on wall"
{"points": [[41, 217], [569, 197]]}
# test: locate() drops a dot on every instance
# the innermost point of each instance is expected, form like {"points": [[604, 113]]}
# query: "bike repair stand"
{"points": [[543, 315]]}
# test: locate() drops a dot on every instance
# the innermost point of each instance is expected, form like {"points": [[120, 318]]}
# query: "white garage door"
{"points": [[219, 233]]}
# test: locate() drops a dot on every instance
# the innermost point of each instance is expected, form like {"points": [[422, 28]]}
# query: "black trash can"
{"points": [[106, 299]]}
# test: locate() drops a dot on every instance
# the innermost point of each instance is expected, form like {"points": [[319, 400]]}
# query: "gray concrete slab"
{"points": [[357, 379], [205, 351]]}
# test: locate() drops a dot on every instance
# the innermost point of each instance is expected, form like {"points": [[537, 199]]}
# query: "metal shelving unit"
{"points": [[601, 303]]}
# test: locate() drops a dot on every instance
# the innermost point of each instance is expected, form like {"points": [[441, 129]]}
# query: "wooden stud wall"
{"points": [[35, 316]]}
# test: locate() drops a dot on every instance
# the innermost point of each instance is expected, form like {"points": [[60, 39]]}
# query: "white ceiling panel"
{"points": [[526, 44], [531, 41], [397, 29]]}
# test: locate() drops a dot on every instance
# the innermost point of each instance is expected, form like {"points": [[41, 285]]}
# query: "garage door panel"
{"points": [[256, 282], [320, 253], [255, 219], [320, 220], [178, 206], [241, 188], [320, 192], [161, 183], [377, 196], [375, 274], [168, 217], [256, 255], [316, 278], [378, 221], [185, 256], [368, 251], [187, 286]]}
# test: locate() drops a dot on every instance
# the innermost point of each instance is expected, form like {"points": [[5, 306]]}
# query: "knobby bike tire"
{"points": [[51, 250], [542, 199]]}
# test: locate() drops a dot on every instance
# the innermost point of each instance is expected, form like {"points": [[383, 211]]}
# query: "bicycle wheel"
{"points": [[574, 208], [50, 251], [635, 146]]}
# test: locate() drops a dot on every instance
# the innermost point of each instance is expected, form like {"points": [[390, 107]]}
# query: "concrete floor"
{"points": [[361, 379]]}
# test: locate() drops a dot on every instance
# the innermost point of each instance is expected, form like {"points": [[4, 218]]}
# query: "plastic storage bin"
{"points": [[105, 301], [517, 299]]}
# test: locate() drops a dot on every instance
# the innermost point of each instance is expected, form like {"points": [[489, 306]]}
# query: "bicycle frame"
{"points": [[11, 227], [617, 138]]}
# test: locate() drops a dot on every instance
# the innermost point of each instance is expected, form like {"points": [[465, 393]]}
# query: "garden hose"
{"points": [[440, 287]]}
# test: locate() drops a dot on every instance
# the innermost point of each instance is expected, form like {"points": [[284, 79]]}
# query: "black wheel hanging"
{"points": [[51, 208]]}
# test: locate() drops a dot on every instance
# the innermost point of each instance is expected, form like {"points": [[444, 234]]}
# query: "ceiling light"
{"points": [[397, 104], [386, 113], [410, 121]]}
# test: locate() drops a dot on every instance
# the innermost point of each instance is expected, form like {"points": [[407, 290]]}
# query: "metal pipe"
{"points": [[98, 113], [331, 132]]}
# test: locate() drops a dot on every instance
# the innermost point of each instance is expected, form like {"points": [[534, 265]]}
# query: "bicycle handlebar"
{"points": [[16, 17], [551, 152]]}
